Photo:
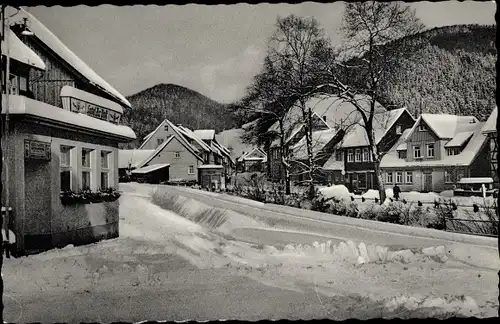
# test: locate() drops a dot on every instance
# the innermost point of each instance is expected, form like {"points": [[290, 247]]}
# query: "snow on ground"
{"points": [[149, 234]]}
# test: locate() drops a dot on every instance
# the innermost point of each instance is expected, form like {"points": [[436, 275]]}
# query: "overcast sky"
{"points": [[215, 50]]}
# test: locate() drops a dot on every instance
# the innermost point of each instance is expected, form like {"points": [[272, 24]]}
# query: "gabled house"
{"points": [[353, 150], [330, 114], [490, 130], [192, 156], [436, 153], [63, 136], [128, 160], [182, 153], [252, 161]]}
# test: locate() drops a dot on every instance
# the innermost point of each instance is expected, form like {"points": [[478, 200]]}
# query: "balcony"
{"points": [[55, 116]]}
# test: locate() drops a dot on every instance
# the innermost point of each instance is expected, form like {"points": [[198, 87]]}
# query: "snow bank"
{"points": [[463, 305], [337, 191]]}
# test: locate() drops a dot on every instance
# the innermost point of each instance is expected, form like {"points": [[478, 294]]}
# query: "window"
{"points": [[409, 177], [453, 151], [165, 128], [399, 177], [399, 130], [357, 156], [430, 150], [65, 167], [86, 158], [402, 154], [350, 156], [160, 141], [448, 178], [416, 152], [14, 84], [191, 169], [389, 177], [86, 169], [366, 155], [177, 155], [421, 127], [339, 155], [23, 84], [105, 169]]}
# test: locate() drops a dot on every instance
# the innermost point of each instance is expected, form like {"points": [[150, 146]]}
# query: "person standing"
{"points": [[396, 191]]}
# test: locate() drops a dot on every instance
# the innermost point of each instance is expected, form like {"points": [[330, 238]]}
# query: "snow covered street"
{"points": [[213, 266]]}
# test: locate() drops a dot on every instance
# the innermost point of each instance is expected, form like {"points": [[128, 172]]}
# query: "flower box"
{"points": [[89, 197]]}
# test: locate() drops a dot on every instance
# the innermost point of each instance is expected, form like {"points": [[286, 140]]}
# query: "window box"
{"points": [[70, 197]]}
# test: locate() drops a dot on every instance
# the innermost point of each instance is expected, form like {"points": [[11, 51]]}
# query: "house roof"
{"points": [[465, 158], [134, 157], [445, 125], [150, 168], [20, 52], [205, 134], [319, 140], [491, 124], [333, 164], [192, 135], [55, 44], [459, 139], [248, 155], [382, 122]]}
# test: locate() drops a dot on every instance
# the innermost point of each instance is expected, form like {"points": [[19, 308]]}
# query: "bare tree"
{"points": [[270, 101], [370, 29], [294, 50]]}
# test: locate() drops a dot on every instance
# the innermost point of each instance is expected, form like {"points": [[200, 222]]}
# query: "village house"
{"points": [[356, 166], [252, 161], [331, 117], [436, 153], [190, 157], [490, 130], [63, 126]]}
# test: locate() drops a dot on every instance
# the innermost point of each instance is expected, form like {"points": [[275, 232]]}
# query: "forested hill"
{"points": [[444, 70], [178, 104]]}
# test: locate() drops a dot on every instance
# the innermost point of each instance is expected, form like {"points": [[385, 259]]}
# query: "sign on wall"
{"points": [[37, 150], [80, 106]]}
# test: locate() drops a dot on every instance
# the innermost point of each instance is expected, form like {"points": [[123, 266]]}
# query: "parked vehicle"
{"points": [[475, 187]]}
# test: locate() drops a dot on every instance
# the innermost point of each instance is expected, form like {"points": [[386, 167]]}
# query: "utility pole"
{"points": [[2, 12]]}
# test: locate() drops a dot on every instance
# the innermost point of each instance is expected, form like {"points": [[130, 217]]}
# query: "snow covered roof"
{"points": [[337, 112], [319, 140], [476, 180], [149, 135], [382, 122], [205, 134], [210, 166], [491, 124], [256, 153], [459, 139], [333, 164], [445, 125], [20, 52], [55, 44], [150, 168], [68, 91], [465, 158], [156, 152], [190, 134], [134, 157], [21, 105]]}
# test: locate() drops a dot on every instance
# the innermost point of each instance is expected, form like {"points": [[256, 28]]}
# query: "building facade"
{"points": [[436, 153], [61, 147]]}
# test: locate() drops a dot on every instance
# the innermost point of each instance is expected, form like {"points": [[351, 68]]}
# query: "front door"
{"points": [[427, 182], [37, 199]]}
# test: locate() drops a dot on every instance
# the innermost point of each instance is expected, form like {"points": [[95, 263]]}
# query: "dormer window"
{"points": [[452, 151], [399, 130], [421, 127], [402, 154]]}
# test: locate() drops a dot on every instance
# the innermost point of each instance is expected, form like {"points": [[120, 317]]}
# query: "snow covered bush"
{"points": [[342, 208], [391, 213], [370, 212], [335, 191]]}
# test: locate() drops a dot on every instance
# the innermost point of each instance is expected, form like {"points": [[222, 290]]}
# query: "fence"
{"points": [[453, 224]]}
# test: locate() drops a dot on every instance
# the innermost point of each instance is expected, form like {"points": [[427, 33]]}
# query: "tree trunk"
{"points": [[284, 162], [379, 182], [310, 161]]}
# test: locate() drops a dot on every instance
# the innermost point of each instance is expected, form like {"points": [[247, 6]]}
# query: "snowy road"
{"points": [[169, 267]]}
